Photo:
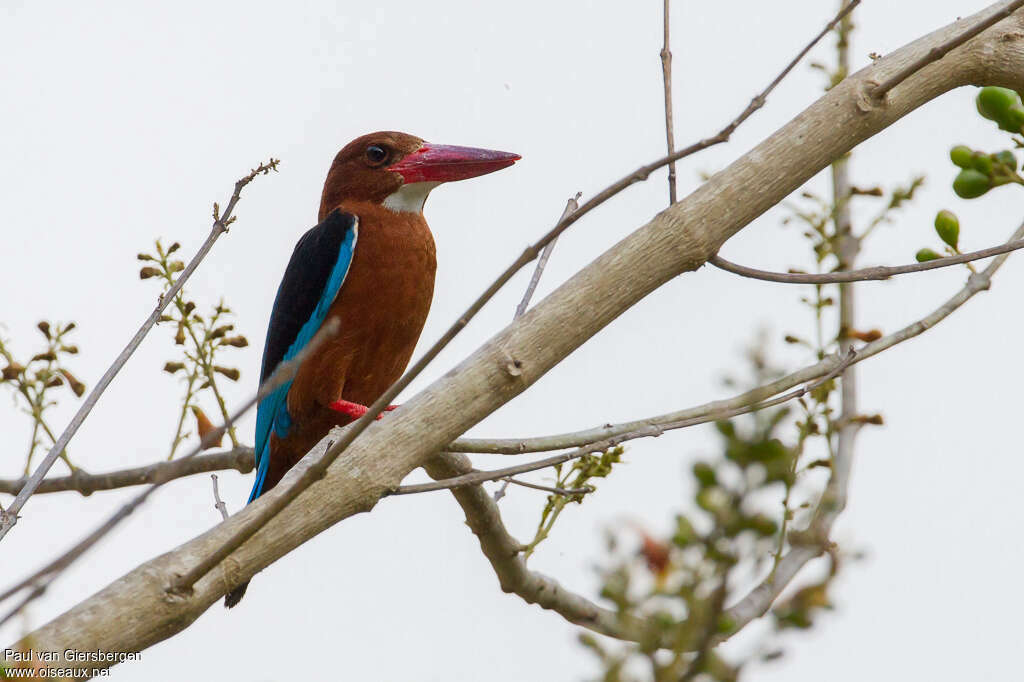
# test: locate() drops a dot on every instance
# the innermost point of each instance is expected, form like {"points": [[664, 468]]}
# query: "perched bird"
{"points": [[370, 264]]}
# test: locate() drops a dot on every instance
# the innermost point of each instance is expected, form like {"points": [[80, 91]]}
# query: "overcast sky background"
{"points": [[123, 122]]}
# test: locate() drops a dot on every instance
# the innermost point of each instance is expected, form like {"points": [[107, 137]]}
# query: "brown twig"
{"points": [[940, 51], [566, 492], [602, 445], [221, 222], [879, 272], [666, 72]]}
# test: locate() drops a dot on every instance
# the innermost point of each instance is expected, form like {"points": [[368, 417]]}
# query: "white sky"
{"points": [[124, 122]]}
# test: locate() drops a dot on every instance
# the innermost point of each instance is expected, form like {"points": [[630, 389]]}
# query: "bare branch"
{"points": [[567, 492], [218, 503], [240, 458], [220, 226], [878, 272], [666, 73], [940, 51], [570, 207], [600, 446]]}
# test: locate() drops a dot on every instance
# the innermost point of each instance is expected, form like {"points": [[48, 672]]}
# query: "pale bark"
{"points": [[135, 611]]}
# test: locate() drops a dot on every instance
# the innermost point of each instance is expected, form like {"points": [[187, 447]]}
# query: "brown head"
{"points": [[399, 170]]}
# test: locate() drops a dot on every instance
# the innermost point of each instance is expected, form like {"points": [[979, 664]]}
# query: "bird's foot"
{"points": [[355, 410]]}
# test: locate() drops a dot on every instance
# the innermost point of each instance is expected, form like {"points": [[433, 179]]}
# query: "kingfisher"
{"points": [[369, 264]]}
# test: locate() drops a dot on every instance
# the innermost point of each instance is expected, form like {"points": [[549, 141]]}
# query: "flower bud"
{"points": [[947, 227], [994, 103], [147, 272], [1007, 158], [926, 255]]}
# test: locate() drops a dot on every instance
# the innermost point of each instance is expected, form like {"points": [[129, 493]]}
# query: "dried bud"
{"points": [[179, 338], [49, 356], [236, 341], [205, 428], [54, 382], [175, 266], [69, 326], [12, 371], [172, 367], [221, 331], [866, 337], [77, 387], [144, 257], [173, 247], [44, 327], [148, 271], [873, 419], [655, 554], [70, 350], [165, 318], [229, 372], [190, 306], [789, 338]]}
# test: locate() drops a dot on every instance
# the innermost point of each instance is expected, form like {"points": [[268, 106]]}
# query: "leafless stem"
{"points": [[879, 272], [570, 206], [218, 503], [240, 458], [602, 445], [567, 492], [940, 51], [220, 225], [666, 72]]}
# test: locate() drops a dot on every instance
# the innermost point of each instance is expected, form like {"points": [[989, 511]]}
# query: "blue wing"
{"points": [[311, 281]]}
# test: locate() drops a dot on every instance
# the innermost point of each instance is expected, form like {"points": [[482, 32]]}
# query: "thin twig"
{"points": [[218, 503], [879, 272], [221, 223], [940, 51], [240, 459], [666, 72], [284, 372], [570, 206], [602, 445], [566, 492]]}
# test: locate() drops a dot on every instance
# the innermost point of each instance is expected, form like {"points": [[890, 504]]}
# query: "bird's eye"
{"points": [[376, 154]]}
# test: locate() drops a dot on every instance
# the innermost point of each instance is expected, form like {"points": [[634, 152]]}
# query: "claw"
{"points": [[355, 410]]}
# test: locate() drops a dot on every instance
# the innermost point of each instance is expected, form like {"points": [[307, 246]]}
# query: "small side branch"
{"points": [[666, 73], [570, 207], [602, 445], [878, 272], [940, 51], [240, 458]]}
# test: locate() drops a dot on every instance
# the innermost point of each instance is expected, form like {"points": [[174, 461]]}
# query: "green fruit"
{"points": [[926, 255], [994, 103], [1006, 158], [970, 184], [981, 163], [948, 227], [961, 156]]}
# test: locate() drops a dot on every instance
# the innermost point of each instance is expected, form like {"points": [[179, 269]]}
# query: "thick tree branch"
{"points": [[136, 610]]}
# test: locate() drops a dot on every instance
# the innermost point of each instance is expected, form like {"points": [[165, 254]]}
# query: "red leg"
{"points": [[354, 410]]}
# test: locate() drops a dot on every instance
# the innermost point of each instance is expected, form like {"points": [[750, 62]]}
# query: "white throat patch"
{"points": [[409, 198]]}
